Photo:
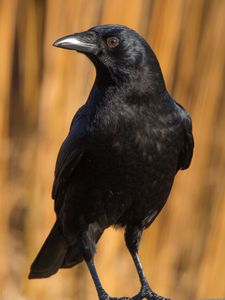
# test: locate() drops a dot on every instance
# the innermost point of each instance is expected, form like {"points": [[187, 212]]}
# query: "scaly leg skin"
{"points": [[132, 238], [102, 295], [124, 298], [146, 291], [148, 296], [141, 296]]}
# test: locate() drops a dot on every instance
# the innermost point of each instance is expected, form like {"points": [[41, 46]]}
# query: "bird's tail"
{"points": [[73, 255], [51, 256], [57, 253]]}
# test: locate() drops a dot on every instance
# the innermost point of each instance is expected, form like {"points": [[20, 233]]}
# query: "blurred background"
{"points": [[41, 88]]}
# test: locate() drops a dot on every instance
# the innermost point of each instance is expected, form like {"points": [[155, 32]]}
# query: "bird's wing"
{"points": [[69, 156], [186, 152]]}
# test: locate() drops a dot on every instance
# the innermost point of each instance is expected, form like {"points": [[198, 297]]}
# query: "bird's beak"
{"points": [[82, 42]]}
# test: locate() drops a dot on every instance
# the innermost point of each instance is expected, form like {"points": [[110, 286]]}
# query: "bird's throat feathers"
{"points": [[133, 88]]}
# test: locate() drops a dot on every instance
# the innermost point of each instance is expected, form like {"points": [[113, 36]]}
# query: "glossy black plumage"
{"points": [[124, 147]]}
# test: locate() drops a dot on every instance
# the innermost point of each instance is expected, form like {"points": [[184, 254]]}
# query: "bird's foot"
{"points": [[154, 296], [151, 296], [142, 295], [147, 293], [104, 296], [123, 298]]}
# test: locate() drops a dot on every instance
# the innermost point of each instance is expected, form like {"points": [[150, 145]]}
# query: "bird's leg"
{"points": [[88, 250], [144, 284], [146, 291], [101, 292], [132, 238]]}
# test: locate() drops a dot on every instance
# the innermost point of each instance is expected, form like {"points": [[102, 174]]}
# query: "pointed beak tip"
{"points": [[55, 44]]}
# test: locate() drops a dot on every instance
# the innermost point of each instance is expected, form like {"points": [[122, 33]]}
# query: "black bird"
{"points": [[118, 162]]}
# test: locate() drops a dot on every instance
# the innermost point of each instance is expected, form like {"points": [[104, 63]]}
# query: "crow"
{"points": [[117, 164]]}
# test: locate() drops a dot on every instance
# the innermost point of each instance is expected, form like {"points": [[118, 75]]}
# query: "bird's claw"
{"points": [[123, 298], [140, 296], [105, 296], [154, 296], [147, 293], [151, 296]]}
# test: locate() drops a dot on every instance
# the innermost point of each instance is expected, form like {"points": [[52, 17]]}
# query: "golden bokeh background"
{"points": [[41, 87]]}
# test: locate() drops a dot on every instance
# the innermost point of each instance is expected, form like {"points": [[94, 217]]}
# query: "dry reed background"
{"points": [[41, 88]]}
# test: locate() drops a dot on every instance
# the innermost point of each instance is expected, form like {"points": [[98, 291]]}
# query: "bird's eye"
{"points": [[112, 42]]}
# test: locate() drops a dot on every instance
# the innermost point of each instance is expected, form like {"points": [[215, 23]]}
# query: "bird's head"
{"points": [[116, 51]]}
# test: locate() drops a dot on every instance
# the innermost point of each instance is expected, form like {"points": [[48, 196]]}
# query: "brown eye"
{"points": [[112, 42]]}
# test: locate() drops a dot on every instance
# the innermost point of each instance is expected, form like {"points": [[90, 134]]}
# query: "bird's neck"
{"points": [[142, 79], [137, 86], [144, 83]]}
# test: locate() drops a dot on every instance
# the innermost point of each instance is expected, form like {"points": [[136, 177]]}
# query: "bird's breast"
{"points": [[135, 139], [131, 159]]}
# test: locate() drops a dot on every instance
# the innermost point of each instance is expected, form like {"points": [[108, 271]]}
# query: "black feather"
{"points": [[124, 148]]}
